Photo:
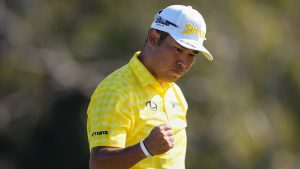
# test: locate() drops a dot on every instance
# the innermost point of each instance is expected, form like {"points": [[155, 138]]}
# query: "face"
{"points": [[170, 60]]}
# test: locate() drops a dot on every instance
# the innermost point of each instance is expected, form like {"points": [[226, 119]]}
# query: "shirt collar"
{"points": [[144, 76]]}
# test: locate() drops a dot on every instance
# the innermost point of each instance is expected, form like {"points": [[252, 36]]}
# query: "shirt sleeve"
{"points": [[108, 120]]}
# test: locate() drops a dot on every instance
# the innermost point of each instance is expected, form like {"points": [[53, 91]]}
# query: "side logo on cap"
{"points": [[190, 29]]}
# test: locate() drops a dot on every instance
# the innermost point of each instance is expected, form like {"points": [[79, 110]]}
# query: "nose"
{"points": [[184, 61], [181, 64]]}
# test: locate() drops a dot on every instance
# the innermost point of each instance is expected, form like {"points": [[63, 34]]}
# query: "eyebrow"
{"points": [[196, 52]]}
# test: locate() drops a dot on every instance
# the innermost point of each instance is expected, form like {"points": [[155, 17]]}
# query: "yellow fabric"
{"points": [[128, 104]]}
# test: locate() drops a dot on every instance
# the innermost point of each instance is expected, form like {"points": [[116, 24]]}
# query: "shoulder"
{"points": [[117, 84], [177, 88], [118, 80]]}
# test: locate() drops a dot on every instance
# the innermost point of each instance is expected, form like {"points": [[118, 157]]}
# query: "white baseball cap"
{"points": [[185, 25]]}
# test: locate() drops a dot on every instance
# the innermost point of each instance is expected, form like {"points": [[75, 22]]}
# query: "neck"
{"points": [[146, 60], [162, 83]]}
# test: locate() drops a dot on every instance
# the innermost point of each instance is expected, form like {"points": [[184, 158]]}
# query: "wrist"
{"points": [[145, 150]]}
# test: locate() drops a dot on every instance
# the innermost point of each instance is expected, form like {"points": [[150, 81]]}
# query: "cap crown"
{"points": [[185, 25], [185, 22]]}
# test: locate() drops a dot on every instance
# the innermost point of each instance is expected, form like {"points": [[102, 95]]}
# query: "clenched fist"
{"points": [[160, 139]]}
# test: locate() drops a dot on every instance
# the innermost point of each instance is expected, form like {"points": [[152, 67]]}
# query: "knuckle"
{"points": [[166, 138], [163, 133]]}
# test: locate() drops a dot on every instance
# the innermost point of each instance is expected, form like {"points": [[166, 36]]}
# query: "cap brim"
{"points": [[191, 45], [206, 53]]}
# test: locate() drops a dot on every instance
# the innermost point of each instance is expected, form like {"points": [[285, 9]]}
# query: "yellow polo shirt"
{"points": [[128, 104]]}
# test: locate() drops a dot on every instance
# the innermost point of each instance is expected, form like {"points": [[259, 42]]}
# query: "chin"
{"points": [[172, 79]]}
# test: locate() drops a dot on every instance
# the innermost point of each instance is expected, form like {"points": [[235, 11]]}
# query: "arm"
{"points": [[112, 157], [159, 141]]}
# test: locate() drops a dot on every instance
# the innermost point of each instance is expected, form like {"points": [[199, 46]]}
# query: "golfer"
{"points": [[137, 115]]}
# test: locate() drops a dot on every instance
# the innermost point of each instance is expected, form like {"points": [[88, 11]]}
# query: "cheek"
{"points": [[162, 63], [191, 62], [167, 60]]}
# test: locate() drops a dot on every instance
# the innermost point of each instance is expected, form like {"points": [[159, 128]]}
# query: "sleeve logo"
{"points": [[97, 133]]}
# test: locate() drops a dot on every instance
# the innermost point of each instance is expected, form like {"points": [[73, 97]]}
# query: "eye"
{"points": [[178, 50], [192, 55]]}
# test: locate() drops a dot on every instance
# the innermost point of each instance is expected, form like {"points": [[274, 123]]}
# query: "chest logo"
{"points": [[174, 104], [151, 105]]}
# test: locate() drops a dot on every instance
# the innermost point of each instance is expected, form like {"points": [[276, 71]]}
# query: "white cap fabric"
{"points": [[185, 25]]}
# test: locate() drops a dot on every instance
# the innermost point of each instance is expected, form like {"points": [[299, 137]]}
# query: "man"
{"points": [[137, 115]]}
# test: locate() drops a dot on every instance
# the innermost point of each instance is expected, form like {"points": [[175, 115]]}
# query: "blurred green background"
{"points": [[244, 110]]}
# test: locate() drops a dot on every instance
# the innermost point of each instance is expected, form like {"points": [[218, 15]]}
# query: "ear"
{"points": [[153, 37]]}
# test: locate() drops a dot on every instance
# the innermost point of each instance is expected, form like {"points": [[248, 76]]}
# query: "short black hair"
{"points": [[162, 36]]}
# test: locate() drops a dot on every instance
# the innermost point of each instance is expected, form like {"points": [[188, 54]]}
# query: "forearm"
{"points": [[107, 157], [159, 141]]}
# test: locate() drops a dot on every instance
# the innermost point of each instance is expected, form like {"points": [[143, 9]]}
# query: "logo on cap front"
{"points": [[190, 29]]}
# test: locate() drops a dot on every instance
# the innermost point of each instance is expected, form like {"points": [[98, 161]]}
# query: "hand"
{"points": [[160, 139]]}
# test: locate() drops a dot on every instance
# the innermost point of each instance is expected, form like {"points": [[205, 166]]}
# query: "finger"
{"points": [[171, 145], [169, 139], [166, 126], [172, 139], [168, 132], [168, 142]]}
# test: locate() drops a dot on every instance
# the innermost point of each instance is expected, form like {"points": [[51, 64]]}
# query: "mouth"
{"points": [[177, 71]]}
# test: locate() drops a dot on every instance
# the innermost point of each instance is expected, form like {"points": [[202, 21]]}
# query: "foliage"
{"points": [[243, 106]]}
